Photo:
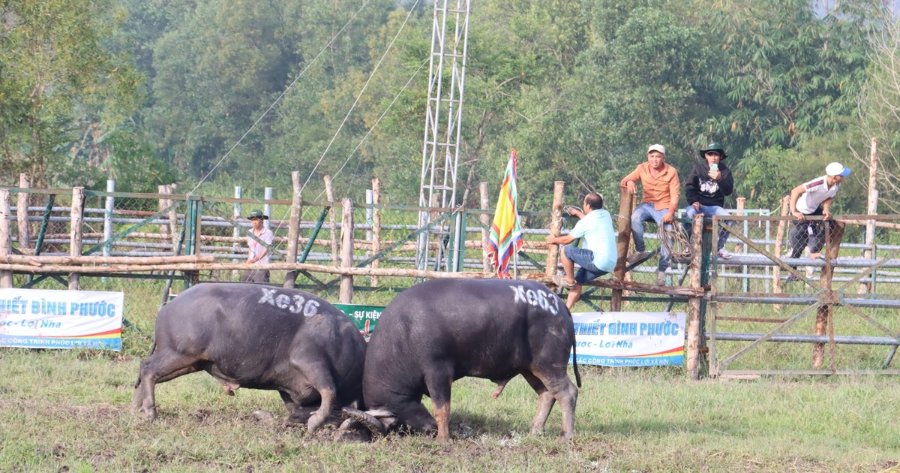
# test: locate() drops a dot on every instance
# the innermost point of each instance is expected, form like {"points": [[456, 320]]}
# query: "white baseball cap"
{"points": [[837, 169], [657, 147]]}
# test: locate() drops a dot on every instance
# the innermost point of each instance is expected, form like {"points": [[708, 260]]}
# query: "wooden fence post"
{"points": [[76, 217], [779, 238], [346, 292], [871, 209], [485, 219], [22, 213], [329, 196], [624, 223], [556, 216], [824, 321], [694, 330], [376, 226], [6, 279], [294, 225]]}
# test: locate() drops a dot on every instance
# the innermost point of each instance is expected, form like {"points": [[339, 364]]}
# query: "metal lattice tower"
{"points": [[443, 120]]}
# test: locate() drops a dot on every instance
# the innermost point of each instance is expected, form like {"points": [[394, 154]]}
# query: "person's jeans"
{"points": [[811, 234], [709, 211], [585, 261], [646, 213]]}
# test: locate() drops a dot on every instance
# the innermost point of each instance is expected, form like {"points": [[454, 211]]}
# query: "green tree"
{"points": [[61, 89]]}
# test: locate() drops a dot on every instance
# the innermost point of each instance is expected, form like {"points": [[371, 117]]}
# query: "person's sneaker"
{"points": [[791, 278], [638, 257], [724, 254], [660, 278]]}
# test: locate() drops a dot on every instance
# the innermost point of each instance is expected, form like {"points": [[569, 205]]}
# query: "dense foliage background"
{"points": [[156, 91]]}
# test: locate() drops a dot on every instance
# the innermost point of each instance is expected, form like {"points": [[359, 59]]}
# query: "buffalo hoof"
{"points": [[148, 413]]}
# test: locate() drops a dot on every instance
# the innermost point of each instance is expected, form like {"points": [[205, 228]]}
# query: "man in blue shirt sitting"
{"points": [[596, 255]]}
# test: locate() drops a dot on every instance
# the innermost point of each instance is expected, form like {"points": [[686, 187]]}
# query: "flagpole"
{"points": [[515, 264]]}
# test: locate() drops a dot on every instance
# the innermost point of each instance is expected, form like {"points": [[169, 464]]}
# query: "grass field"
{"points": [[70, 411]]}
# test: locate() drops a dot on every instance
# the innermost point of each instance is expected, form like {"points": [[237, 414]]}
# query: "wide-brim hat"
{"points": [[714, 147], [257, 214]]}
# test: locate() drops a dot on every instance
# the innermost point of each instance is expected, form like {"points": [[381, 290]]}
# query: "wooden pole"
{"points": [[825, 311], [556, 216], [346, 291], [485, 219], [694, 332], [294, 225], [624, 223], [329, 196], [76, 217], [871, 209], [376, 226], [779, 238], [22, 213], [6, 279]]}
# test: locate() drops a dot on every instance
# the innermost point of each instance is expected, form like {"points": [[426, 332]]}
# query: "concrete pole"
{"points": [[267, 207], [107, 217], [22, 213]]}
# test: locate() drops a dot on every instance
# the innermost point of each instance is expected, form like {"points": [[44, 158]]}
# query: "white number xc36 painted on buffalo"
{"points": [[295, 304], [544, 299]]}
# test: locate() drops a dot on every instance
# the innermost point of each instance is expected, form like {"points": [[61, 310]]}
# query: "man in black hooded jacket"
{"points": [[706, 188]]}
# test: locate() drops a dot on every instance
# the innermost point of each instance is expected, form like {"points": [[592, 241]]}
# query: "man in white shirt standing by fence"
{"points": [[259, 239]]}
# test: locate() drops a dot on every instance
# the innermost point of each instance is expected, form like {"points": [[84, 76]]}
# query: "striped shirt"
{"points": [[817, 191]]}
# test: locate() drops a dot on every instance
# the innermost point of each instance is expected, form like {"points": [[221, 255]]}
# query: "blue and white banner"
{"points": [[32, 318], [630, 338]]}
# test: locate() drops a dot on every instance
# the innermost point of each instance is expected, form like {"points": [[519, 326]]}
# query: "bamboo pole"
{"points": [[6, 280], [556, 216], [825, 311], [694, 330], [346, 291], [485, 220], [102, 260], [624, 223], [329, 196], [871, 209], [376, 226], [22, 213], [779, 238], [76, 217], [196, 267]]}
